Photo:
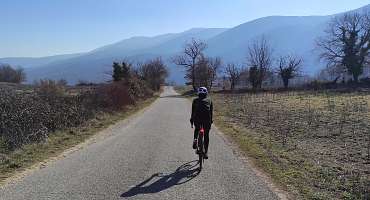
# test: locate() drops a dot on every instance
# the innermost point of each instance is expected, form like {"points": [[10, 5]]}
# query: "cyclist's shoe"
{"points": [[195, 144], [206, 156]]}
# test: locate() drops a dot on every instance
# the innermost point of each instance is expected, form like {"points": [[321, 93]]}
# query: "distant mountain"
{"points": [[29, 62], [94, 65], [287, 34]]}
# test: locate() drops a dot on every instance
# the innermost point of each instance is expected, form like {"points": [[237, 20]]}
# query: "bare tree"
{"points": [[253, 77], [193, 51], [289, 67], [206, 71], [215, 65], [244, 76], [347, 43], [202, 73], [233, 73], [259, 62], [154, 72]]}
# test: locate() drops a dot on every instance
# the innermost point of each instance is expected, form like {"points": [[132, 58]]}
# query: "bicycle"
{"points": [[200, 147]]}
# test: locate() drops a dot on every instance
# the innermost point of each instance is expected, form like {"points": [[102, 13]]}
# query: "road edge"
{"points": [[265, 177]]}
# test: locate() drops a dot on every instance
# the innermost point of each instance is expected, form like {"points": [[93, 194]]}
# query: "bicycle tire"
{"points": [[200, 152], [200, 161]]}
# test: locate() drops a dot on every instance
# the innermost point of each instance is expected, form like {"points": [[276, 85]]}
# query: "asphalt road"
{"points": [[148, 158]]}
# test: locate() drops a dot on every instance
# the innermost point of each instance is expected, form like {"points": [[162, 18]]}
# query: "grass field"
{"points": [[315, 144]]}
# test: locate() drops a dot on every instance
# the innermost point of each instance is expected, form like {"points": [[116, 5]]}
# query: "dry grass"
{"points": [[315, 144], [28, 155], [42, 121]]}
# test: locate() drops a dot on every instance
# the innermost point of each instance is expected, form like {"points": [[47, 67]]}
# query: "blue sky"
{"points": [[49, 27]]}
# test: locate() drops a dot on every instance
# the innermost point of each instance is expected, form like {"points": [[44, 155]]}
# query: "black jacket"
{"points": [[202, 111]]}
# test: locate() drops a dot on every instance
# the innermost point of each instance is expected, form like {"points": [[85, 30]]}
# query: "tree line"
{"points": [[202, 70], [153, 72], [345, 48]]}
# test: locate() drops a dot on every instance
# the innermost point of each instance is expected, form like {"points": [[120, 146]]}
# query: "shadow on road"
{"points": [[159, 181]]}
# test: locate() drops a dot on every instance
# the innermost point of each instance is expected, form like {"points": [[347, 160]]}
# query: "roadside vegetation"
{"points": [[43, 119], [11, 75], [316, 144], [310, 134]]}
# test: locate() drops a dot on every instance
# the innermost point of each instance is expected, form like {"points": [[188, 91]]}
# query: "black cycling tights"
{"points": [[207, 128]]}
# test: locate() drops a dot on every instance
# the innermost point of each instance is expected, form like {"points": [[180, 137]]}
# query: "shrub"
{"points": [[116, 95], [85, 83], [50, 88], [154, 72], [138, 88], [29, 118], [113, 96], [10, 75]]}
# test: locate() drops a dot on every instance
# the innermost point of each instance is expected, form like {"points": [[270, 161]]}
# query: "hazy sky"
{"points": [[49, 27]]}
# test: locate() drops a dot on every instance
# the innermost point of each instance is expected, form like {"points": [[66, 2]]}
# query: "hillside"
{"points": [[287, 35]]}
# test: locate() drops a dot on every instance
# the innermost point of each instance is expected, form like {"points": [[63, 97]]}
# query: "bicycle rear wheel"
{"points": [[200, 152], [200, 161]]}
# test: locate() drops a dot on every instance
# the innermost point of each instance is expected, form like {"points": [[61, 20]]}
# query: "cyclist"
{"points": [[201, 115]]}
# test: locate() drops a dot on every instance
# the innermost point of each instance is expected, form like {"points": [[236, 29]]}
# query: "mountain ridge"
{"points": [[287, 34]]}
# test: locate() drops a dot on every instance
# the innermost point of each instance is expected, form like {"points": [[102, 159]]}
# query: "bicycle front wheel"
{"points": [[200, 161]]}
